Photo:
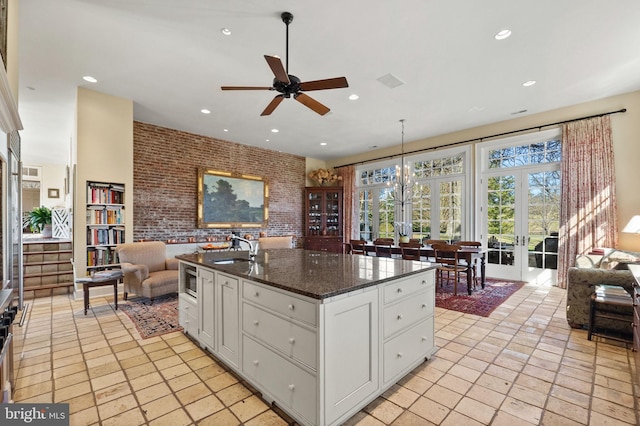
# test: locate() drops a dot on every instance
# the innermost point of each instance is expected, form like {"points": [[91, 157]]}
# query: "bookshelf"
{"points": [[105, 223]]}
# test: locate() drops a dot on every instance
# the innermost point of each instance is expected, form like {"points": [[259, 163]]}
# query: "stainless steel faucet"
{"points": [[253, 249]]}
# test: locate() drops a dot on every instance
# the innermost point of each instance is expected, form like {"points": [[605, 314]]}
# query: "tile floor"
{"points": [[521, 366]]}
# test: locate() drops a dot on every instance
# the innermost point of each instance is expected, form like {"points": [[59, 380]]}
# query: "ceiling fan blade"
{"points": [[309, 102], [273, 105], [278, 70], [329, 83], [245, 88]]}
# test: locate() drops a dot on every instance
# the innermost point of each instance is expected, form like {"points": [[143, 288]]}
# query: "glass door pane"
{"points": [[501, 225], [314, 209], [543, 223], [386, 213], [450, 210], [421, 213], [365, 212]]}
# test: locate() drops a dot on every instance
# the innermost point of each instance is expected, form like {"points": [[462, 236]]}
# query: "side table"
{"points": [[606, 303], [98, 280]]}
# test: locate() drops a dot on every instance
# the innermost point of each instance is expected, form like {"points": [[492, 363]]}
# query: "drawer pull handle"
{"points": [[424, 338], [291, 307], [292, 387], [424, 305], [399, 290], [424, 282], [256, 294], [292, 340], [256, 362], [256, 322], [400, 316], [399, 354]]}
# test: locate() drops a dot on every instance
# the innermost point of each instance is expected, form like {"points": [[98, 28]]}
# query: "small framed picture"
{"points": [[53, 193]]}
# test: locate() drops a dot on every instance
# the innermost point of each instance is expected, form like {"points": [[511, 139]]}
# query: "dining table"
{"points": [[469, 254]]}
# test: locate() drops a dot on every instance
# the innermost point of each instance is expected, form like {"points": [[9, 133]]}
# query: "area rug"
{"points": [[153, 319], [481, 302]]}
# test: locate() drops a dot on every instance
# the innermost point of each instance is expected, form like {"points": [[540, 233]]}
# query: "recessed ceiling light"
{"points": [[529, 83], [205, 111], [89, 79], [274, 130], [225, 31], [353, 97], [323, 144], [502, 34], [225, 130], [266, 140]]}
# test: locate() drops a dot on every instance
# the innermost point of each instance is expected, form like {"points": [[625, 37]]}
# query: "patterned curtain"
{"points": [[350, 220], [588, 206]]}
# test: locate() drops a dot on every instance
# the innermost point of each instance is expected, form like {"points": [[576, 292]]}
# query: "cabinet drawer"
{"points": [[283, 303], [291, 339], [227, 280], [188, 314], [408, 311], [289, 384], [406, 348], [402, 288]]}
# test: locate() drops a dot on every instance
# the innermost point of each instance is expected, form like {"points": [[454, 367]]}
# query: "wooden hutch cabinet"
{"points": [[323, 219]]}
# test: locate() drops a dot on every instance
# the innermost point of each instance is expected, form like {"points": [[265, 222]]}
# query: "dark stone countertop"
{"points": [[315, 274]]}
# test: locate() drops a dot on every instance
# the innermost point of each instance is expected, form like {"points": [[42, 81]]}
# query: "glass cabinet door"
{"points": [[314, 213], [332, 212]]}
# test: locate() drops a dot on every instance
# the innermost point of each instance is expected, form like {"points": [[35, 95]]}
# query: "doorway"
{"points": [[520, 208]]}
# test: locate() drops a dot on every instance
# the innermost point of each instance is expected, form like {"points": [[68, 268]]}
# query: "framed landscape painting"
{"points": [[231, 200]]}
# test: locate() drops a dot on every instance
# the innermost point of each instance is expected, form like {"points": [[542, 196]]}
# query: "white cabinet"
{"points": [[188, 314], [206, 304], [408, 329], [319, 360], [351, 349], [227, 317]]}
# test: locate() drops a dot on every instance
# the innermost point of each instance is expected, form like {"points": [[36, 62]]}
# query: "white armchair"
{"points": [[147, 270]]}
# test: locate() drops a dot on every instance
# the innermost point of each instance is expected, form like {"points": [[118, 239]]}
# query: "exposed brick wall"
{"points": [[165, 171]]}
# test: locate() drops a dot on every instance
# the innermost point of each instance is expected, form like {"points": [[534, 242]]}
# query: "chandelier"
{"points": [[404, 182], [403, 189]]}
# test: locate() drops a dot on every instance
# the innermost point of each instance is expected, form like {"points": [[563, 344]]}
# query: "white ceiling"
{"points": [[171, 58]]}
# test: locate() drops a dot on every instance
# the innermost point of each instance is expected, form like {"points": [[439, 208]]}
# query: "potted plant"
{"points": [[40, 221], [404, 229]]}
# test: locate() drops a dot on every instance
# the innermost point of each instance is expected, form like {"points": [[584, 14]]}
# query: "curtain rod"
{"points": [[623, 110]]}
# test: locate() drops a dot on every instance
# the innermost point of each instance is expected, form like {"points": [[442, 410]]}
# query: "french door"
{"points": [[520, 222]]}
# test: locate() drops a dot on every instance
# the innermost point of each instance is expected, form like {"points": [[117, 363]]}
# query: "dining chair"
{"points": [[410, 251], [474, 263], [430, 243], [447, 255], [383, 247], [357, 246]]}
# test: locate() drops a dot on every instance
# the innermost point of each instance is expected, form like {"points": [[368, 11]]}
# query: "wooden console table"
{"points": [[98, 281]]}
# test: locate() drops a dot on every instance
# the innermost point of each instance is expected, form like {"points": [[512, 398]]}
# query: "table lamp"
{"points": [[633, 227]]}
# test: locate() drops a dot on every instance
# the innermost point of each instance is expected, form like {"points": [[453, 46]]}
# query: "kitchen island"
{"points": [[319, 334]]}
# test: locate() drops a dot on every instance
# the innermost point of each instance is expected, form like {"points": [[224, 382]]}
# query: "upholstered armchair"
{"points": [[147, 270]]}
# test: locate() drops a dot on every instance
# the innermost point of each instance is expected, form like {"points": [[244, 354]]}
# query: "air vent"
{"points": [[391, 81]]}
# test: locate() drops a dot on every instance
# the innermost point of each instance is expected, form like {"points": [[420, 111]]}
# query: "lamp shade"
{"points": [[633, 227]]}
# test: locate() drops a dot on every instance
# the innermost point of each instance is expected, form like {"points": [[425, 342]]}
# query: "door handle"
{"points": [[517, 240]]}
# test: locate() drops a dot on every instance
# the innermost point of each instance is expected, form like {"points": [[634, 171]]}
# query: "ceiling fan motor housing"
{"points": [[287, 89]]}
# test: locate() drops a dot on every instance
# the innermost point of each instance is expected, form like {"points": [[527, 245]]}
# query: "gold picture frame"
{"points": [[232, 200]]}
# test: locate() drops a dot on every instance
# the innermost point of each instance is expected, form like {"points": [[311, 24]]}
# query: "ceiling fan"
{"points": [[289, 85]]}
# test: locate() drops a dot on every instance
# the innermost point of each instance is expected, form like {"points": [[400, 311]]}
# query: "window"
{"points": [[438, 206]]}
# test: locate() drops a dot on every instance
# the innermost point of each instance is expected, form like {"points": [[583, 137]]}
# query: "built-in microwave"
{"points": [[191, 281]]}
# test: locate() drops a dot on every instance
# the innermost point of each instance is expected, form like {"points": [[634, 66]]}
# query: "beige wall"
{"points": [[626, 140], [104, 153]]}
